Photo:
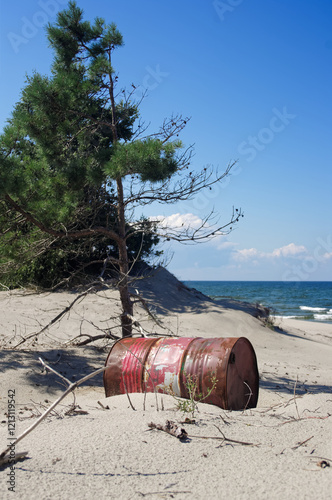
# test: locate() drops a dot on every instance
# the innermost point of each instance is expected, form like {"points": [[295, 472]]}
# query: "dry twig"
{"points": [[300, 444], [125, 386], [297, 410], [224, 438]]}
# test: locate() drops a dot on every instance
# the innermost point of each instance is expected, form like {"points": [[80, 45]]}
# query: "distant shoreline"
{"points": [[306, 300]]}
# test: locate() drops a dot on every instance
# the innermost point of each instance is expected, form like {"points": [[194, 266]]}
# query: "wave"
{"points": [[292, 317], [310, 317], [316, 309], [323, 317]]}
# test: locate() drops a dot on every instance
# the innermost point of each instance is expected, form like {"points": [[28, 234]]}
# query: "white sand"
{"points": [[113, 454]]}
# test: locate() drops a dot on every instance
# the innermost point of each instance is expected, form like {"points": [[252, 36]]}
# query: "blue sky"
{"points": [[255, 78]]}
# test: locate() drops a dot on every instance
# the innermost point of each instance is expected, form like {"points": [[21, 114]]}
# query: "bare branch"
{"points": [[206, 229], [54, 320], [70, 389], [172, 191], [170, 128]]}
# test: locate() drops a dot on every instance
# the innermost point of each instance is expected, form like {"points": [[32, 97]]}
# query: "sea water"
{"points": [[305, 300]]}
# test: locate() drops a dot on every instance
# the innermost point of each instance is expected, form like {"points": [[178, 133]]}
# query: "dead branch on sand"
{"points": [[180, 433], [8, 458], [224, 438], [71, 387], [57, 318], [171, 428], [106, 333], [300, 444], [297, 410]]}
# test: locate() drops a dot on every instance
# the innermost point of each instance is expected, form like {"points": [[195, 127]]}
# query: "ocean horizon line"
{"points": [[260, 281]]}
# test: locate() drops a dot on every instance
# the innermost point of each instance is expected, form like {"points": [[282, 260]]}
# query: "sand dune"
{"points": [[112, 453]]}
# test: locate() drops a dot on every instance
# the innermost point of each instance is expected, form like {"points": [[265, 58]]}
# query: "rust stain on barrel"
{"points": [[165, 365]]}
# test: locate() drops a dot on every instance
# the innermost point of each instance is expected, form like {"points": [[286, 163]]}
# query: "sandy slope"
{"points": [[113, 454]]}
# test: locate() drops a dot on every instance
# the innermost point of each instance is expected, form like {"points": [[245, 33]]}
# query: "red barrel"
{"points": [[166, 364]]}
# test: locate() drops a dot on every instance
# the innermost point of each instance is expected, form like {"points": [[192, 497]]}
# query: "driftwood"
{"points": [[172, 429], [9, 458]]}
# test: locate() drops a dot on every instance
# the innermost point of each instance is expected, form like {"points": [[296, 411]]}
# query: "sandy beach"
{"points": [[92, 446]]}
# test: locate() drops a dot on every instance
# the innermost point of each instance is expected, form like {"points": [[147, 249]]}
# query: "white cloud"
{"points": [[225, 245], [247, 254], [288, 251], [291, 250], [178, 221]]}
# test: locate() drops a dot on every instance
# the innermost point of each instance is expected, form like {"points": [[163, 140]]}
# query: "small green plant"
{"points": [[190, 405]]}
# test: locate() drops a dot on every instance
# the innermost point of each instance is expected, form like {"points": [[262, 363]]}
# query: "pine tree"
{"points": [[71, 134]]}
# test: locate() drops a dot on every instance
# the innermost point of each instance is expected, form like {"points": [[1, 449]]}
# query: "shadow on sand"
{"points": [[288, 385], [73, 364]]}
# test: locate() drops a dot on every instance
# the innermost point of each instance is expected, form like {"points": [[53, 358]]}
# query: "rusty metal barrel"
{"points": [[227, 365]]}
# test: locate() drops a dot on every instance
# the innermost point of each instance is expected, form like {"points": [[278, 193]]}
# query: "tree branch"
{"points": [[54, 320], [169, 191], [62, 234]]}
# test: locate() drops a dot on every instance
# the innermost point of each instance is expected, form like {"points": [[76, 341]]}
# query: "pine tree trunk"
{"points": [[126, 303]]}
